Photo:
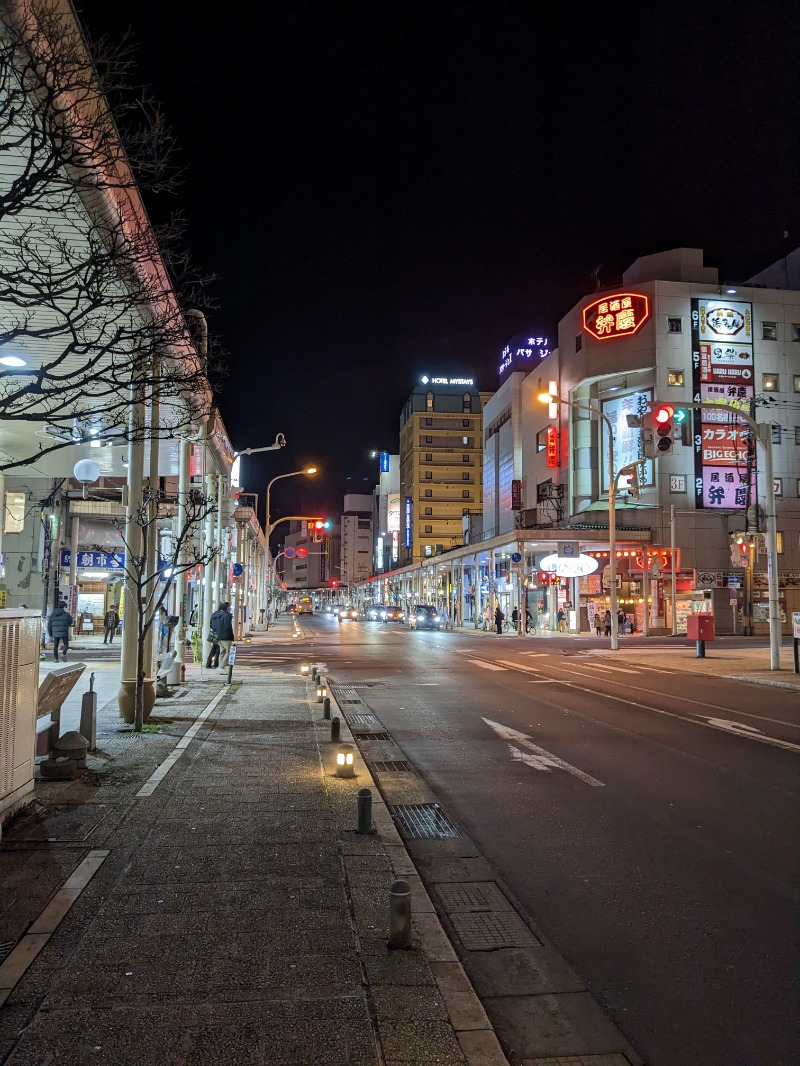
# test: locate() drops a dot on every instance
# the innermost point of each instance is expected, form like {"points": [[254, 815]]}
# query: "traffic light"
{"points": [[664, 423], [740, 550]]}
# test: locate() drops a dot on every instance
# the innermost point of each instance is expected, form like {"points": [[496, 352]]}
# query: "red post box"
{"points": [[700, 627]]}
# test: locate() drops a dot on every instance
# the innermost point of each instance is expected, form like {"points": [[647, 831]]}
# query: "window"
{"points": [[541, 440], [465, 475], [464, 458], [429, 440], [467, 402], [776, 433], [428, 457], [770, 383], [428, 402], [429, 475], [428, 492], [428, 547], [674, 325], [779, 496], [465, 493], [796, 331], [14, 517], [466, 423], [796, 382], [579, 342], [429, 510], [797, 434], [674, 377], [779, 542], [465, 440], [769, 331]]}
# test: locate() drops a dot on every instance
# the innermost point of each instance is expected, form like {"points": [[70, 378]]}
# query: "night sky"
{"points": [[392, 188]]}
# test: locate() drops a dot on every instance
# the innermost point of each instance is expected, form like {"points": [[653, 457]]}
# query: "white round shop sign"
{"points": [[564, 566]]}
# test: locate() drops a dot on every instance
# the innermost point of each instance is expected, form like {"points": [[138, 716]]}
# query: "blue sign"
{"points": [[384, 462], [407, 523], [94, 560], [238, 569], [516, 557], [288, 552]]}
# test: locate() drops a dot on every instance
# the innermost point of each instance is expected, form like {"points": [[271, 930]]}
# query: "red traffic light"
{"points": [[663, 414], [319, 525]]}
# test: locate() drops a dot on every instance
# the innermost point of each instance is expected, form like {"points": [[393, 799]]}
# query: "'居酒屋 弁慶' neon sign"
{"points": [[620, 315]]}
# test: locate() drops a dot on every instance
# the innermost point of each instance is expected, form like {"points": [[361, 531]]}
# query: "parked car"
{"points": [[424, 616]]}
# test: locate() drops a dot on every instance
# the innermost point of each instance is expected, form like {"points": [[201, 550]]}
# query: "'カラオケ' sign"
{"points": [[620, 315]]}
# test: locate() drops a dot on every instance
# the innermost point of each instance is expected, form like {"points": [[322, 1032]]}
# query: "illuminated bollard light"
{"points": [[322, 690], [334, 731], [364, 810], [305, 669], [344, 761], [400, 915], [326, 707]]}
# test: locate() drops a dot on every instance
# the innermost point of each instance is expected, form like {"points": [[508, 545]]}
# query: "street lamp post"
{"points": [[547, 397], [269, 525]]}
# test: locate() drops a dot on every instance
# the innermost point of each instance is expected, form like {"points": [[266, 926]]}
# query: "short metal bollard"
{"points": [[334, 730], [701, 649], [326, 707], [364, 824], [400, 915]]}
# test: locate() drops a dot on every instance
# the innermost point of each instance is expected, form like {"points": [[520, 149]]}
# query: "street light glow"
{"points": [[311, 470]]}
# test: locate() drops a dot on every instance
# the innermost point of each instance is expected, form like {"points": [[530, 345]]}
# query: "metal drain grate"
{"points": [[373, 736], [423, 821], [391, 766], [341, 701], [361, 719], [490, 930], [471, 896]]}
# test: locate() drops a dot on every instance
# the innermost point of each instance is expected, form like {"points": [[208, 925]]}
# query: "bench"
{"points": [[53, 690]]}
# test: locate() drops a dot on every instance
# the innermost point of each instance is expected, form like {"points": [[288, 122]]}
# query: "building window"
{"points": [[14, 516], [466, 423], [429, 510], [778, 540], [674, 325], [797, 434], [465, 440], [429, 440], [769, 331], [429, 475], [770, 383], [465, 493], [428, 401], [428, 457], [428, 492], [464, 458], [467, 402], [674, 377], [796, 331], [465, 475], [796, 382], [541, 440], [428, 547], [579, 342], [776, 433]]}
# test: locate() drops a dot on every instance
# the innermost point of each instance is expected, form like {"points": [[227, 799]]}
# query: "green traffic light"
{"points": [[680, 415]]}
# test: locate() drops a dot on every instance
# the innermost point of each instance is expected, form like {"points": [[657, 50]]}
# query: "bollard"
{"points": [[88, 728], [400, 915], [322, 690], [364, 804], [334, 730], [326, 707], [701, 649]]}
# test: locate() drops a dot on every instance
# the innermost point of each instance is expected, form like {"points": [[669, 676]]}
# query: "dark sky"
{"points": [[391, 187]]}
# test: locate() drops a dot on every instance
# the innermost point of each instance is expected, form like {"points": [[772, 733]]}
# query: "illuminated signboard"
{"points": [[407, 523], [620, 315], [393, 512], [447, 381], [524, 351], [566, 566], [384, 462], [552, 446]]}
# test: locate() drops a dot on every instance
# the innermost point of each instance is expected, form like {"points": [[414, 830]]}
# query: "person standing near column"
{"points": [[110, 623], [222, 626]]}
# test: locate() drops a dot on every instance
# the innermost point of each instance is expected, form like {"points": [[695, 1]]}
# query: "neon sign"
{"points": [[552, 446], [620, 315], [521, 350]]}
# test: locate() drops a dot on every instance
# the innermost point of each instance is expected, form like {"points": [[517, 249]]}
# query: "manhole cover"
{"points": [[373, 736], [471, 896], [423, 821], [361, 719], [397, 766], [491, 930]]}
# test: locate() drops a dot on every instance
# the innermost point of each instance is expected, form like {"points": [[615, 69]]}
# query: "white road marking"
{"points": [[537, 757], [520, 666], [616, 669], [484, 665], [160, 772]]}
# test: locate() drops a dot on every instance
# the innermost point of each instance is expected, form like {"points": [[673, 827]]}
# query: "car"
{"points": [[347, 613], [376, 612], [424, 616], [394, 614]]}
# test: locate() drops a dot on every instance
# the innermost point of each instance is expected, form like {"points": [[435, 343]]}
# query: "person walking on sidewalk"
{"points": [[607, 623], [598, 623], [58, 625], [561, 621], [499, 618], [110, 623], [222, 628]]}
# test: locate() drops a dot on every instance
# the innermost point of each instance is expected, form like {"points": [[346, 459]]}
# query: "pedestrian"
{"points": [[598, 623], [515, 618], [499, 618], [163, 629], [607, 623], [528, 619], [485, 617], [621, 620], [58, 626], [110, 623], [561, 621], [222, 629]]}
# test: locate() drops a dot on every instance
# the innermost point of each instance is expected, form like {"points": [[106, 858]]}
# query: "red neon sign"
{"points": [[552, 446], [620, 315]]}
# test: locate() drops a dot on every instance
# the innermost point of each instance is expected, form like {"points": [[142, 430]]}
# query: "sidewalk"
{"points": [[200, 897]]}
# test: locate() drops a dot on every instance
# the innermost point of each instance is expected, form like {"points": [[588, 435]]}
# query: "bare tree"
{"points": [[87, 285], [148, 576]]}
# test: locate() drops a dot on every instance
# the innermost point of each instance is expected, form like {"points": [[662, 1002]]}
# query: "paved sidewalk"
{"points": [[225, 912]]}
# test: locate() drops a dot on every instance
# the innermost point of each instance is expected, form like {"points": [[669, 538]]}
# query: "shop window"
{"points": [[14, 515], [770, 383], [674, 377], [674, 325], [769, 331]]}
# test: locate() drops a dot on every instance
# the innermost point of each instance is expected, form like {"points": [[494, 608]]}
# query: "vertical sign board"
{"points": [[722, 371], [552, 446], [628, 446], [408, 521], [516, 495]]}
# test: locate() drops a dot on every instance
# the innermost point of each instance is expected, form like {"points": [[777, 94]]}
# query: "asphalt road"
{"points": [[646, 820]]}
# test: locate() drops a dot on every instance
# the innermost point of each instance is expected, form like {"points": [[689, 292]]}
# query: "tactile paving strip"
{"points": [[490, 930]]}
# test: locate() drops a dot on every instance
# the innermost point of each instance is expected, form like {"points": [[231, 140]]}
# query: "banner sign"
{"points": [[94, 560]]}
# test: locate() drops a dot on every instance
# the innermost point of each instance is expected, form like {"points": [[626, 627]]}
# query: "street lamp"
{"points": [[294, 473], [551, 398]]}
